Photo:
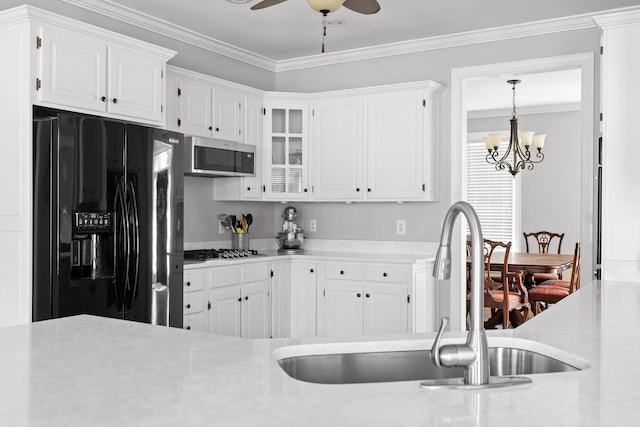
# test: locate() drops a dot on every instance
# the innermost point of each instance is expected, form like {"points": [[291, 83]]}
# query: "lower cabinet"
{"points": [[193, 300], [241, 310], [363, 299]]}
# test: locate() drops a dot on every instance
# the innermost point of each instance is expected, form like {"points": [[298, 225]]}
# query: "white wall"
{"points": [[549, 197]]}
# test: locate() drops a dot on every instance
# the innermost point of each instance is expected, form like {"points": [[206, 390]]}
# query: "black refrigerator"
{"points": [[107, 219]]}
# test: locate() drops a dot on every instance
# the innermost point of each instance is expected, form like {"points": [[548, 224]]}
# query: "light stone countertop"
{"points": [[91, 371], [320, 255]]}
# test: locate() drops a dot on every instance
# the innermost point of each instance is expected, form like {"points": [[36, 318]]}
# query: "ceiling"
{"points": [[293, 30]]}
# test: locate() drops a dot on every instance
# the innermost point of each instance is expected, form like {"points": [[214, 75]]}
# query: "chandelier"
{"points": [[518, 147]]}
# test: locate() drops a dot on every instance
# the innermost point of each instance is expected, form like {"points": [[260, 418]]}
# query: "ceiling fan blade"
{"points": [[266, 3], [367, 7]]}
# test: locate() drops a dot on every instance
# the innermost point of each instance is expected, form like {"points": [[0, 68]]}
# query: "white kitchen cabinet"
{"points": [[202, 108], [248, 187], [193, 300], [286, 151], [302, 309], [93, 75], [281, 299], [239, 300], [363, 299], [395, 134], [337, 129]]}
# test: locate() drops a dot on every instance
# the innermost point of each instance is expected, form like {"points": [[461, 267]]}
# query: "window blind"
{"points": [[491, 193]]}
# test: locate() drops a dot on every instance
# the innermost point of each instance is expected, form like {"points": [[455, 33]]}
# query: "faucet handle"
{"points": [[435, 349]]}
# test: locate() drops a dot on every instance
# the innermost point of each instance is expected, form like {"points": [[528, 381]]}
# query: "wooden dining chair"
{"points": [[552, 291], [504, 293], [544, 240]]}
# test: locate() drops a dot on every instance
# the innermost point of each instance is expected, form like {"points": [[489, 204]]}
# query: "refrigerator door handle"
{"points": [[122, 247], [135, 241]]}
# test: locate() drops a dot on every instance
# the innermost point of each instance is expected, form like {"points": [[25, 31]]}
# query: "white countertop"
{"points": [[90, 371], [347, 256]]}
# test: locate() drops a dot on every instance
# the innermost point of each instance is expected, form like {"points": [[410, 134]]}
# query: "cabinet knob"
{"points": [[103, 99], [367, 295], [305, 190], [368, 190], [217, 129], [114, 100], [311, 270], [210, 127], [188, 327], [240, 299], [188, 283], [248, 188], [358, 295], [246, 298], [341, 271], [384, 274], [188, 305], [358, 190]]}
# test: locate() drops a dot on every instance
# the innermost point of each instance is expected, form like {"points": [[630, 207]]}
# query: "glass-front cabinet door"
{"points": [[286, 152]]}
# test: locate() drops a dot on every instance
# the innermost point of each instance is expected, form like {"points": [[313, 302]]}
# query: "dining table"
{"points": [[530, 263]]}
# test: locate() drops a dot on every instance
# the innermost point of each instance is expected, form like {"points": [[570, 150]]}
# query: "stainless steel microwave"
{"points": [[216, 158]]}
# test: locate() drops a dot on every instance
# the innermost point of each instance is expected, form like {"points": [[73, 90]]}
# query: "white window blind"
{"points": [[492, 194]]}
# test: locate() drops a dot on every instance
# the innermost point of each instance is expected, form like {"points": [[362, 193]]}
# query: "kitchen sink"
{"points": [[416, 364]]}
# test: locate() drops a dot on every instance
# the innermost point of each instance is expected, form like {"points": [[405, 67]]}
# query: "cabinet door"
{"points": [[286, 152], [256, 311], [135, 84], [72, 70], [252, 186], [385, 308], [303, 299], [224, 315], [173, 104], [195, 109], [280, 297], [227, 115], [337, 129], [342, 309], [395, 130]]}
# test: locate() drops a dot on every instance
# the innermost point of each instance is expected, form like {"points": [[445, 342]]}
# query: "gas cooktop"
{"points": [[209, 254]]}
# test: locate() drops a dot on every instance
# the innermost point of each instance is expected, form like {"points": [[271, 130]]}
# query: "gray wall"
{"points": [[550, 196], [201, 213]]}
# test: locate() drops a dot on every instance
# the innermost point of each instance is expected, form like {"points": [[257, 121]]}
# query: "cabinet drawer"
{"points": [[344, 271], [255, 272], [225, 276], [193, 322], [387, 273], [192, 302], [193, 280]]}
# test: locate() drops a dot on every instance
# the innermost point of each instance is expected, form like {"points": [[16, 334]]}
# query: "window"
{"points": [[493, 194]]}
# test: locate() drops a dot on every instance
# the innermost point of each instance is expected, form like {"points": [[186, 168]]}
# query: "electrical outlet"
{"points": [[312, 225], [221, 228], [401, 227]]}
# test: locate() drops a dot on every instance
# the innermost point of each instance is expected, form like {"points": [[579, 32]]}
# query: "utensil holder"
{"points": [[240, 241]]}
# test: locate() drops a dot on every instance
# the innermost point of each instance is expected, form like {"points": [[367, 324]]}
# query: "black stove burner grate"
{"points": [[207, 254]]}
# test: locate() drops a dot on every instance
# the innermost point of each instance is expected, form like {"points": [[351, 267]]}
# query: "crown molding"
{"points": [[165, 28], [618, 19], [523, 111]]}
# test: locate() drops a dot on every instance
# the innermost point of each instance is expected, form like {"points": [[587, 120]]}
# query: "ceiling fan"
{"points": [[366, 7]]}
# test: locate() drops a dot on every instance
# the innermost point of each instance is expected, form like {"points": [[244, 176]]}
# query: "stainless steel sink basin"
{"points": [[415, 365]]}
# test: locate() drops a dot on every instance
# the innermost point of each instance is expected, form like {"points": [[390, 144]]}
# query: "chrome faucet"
{"points": [[474, 354]]}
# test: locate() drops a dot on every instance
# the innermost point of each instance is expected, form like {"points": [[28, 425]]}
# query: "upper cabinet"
{"points": [[99, 74], [286, 150], [375, 144], [200, 106]]}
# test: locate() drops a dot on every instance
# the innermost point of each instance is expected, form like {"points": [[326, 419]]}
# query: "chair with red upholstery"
{"points": [[552, 291], [545, 240], [504, 293]]}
